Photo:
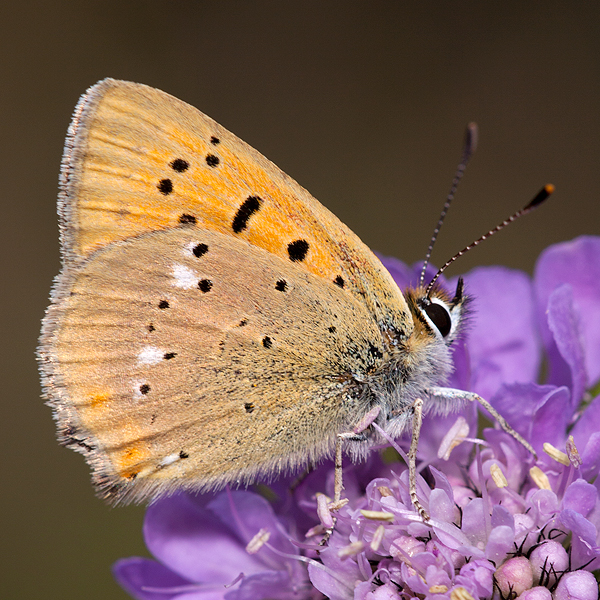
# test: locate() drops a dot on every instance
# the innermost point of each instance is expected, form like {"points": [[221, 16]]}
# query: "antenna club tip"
{"points": [[541, 196], [471, 138]]}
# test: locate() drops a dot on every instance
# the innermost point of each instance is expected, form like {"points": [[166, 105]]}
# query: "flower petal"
{"points": [[577, 263], [337, 580], [187, 538], [550, 419], [590, 458], [268, 584], [147, 579], [500, 542], [583, 543], [477, 577], [580, 496], [245, 514], [540, 413], [567, 363], [502, 338], [580, 585], [588, 423]]}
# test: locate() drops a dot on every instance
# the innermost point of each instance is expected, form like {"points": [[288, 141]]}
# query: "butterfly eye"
{"points": [[439, 316]]}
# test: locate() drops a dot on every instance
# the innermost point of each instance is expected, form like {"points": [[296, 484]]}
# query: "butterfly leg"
{"points": [[450, 393], [412, 458], [357, 435], [338, 484], [338, 502]]}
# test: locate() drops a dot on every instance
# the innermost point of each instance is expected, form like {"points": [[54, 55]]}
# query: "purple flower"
{"points": [[500, 526], [205, 553]]}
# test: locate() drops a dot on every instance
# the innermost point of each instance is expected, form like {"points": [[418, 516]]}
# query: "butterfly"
{"points": [[213, 323]]}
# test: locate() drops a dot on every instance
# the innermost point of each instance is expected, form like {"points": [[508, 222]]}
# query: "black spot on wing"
{"points": [[180, 165], [199, 250], [297, 250], [205, 285], [244, 212], [165, 186], [212, 160]]}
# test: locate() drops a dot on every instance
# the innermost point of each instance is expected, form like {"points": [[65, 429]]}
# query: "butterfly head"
{"points": [[436, 315], [438, 320]]}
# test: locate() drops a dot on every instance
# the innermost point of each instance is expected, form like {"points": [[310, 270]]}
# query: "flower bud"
{"points": [[514, 576], [547, 560], [536, 593], [577, 585]]}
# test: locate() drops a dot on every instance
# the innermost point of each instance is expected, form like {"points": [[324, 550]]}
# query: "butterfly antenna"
{"points": [[539, 198], [469, 148]]}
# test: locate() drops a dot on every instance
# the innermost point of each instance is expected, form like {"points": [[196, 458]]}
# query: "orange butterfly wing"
{"points": [[151, 366], [138, 160]]}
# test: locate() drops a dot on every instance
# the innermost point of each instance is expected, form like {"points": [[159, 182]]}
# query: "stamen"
{"points": [[540, 478], [498, 476], [351, 549], [460, 593], [485, 496], [556, 454], [314, 563], [323, 511], [258, 541], [316, 530], [385, 491], [377, 515], [377, 538], [573, 453], [438, 589]]}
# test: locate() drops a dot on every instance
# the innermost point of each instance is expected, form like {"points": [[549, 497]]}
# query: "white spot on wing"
{"points": [[184, 277], [169, 460], [189, 248], [150, 355]]}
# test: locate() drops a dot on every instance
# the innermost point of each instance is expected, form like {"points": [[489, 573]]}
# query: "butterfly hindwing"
{"points": [[183, 359]]}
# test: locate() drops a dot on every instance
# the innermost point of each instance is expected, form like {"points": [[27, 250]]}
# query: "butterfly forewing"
{"points": [[138, 160], [213, 321]]}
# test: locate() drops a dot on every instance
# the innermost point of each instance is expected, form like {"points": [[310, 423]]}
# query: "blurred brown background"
{"points": [[364, 103]]}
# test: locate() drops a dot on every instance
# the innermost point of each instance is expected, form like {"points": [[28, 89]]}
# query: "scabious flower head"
{"points": [[501, 526]]}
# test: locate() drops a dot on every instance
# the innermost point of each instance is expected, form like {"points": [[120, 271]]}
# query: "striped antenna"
{"points": [[469, 147], [540, 197]]}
